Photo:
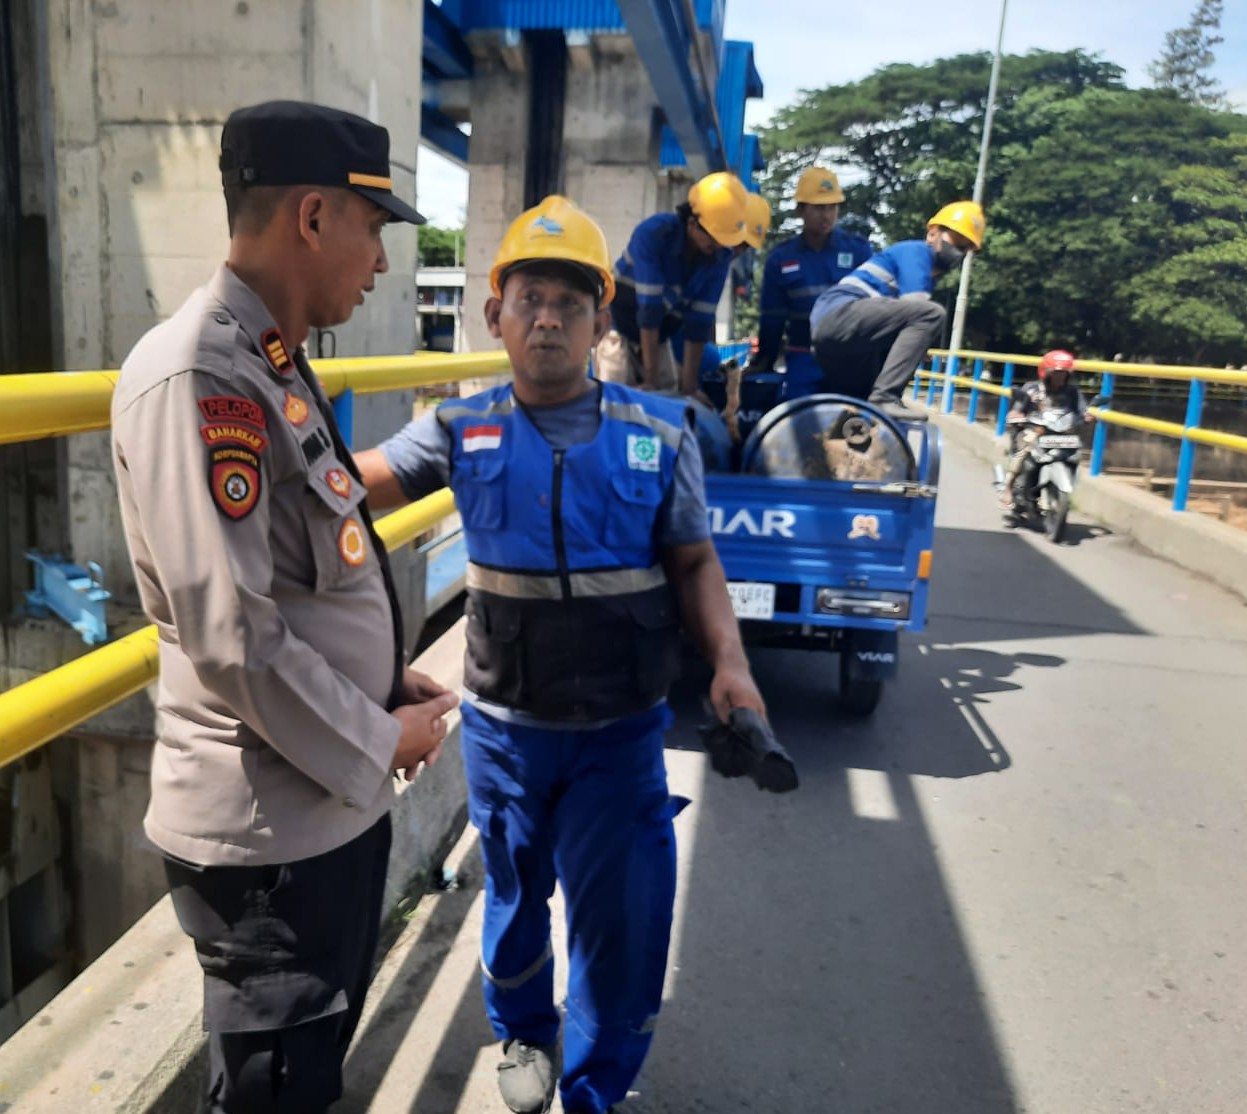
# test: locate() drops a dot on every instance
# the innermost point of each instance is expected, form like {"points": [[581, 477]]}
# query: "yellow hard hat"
{"points": [[559, 231], [757, 219], [818, 186], [965, 217], [718, 202]]}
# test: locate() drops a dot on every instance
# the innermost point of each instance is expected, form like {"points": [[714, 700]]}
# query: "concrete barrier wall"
{"points": [[125, 1036]]}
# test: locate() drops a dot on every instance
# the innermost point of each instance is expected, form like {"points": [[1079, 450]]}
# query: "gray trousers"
{"points": [[871, 348]]}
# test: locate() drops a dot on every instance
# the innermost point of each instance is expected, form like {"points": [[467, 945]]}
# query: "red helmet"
{"points": [[1056, 360]]}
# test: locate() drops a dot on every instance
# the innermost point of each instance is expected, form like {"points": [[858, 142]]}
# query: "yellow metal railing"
{"points": [[1189, 432], [54, 404]]}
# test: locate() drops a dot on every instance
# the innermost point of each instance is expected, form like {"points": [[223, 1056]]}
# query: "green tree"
{"points": [[1090, 187], [440, 247], [1188, 56]]}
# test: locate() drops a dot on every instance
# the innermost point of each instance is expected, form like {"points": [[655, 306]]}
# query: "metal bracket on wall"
{"points": [[76, 594]]}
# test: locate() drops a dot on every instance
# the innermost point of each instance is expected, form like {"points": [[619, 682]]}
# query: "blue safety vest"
{"points": [[793, 278], [570, 616], [904, 268], [659, 284]]}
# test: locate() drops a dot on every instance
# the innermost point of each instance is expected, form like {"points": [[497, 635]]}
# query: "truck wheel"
{"points": [[858, 696], [1057, 513]]}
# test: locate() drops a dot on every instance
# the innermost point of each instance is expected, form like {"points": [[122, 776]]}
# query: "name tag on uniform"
{"points": [[643, 452], [478, 437], [844, 259]]}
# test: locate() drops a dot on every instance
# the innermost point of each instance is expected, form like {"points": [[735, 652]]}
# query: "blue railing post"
{"points": [[950, 388], [1002, 411], [1186, 458], [935, 370], [344, 412], [973, 409], [935, 366], [1101, 428]]}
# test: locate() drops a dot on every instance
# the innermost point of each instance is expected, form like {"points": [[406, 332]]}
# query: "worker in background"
{"points": [[873, 328], [588, 546], [670, 278], [797, 271]]}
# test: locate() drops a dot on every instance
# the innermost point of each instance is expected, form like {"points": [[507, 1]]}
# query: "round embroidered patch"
{"points": [[235, 482], [295, 409], [351, 543], [339, 482]]}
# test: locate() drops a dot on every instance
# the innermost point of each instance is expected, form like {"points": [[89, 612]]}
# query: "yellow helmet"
{"points": [[718, 202], [965, 217], [818, 186], [560, 231], [757, 219]]}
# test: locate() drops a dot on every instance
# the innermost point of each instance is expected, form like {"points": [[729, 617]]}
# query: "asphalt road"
{"points": [[1019, 887]]}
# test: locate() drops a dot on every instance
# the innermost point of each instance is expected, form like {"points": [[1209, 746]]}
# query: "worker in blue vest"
{"points": [[797, 271], [873, 328], [584, 511], [670, 278]]}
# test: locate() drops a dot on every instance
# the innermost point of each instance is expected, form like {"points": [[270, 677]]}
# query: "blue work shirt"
{"points": [[661, 283], [793, 278], [903, 270]]}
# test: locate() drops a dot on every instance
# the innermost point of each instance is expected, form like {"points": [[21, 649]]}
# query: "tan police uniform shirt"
{"points": [[254, 558]]}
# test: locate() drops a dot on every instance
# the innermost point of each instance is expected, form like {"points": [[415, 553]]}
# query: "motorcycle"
{"points": [[1044, 486]]}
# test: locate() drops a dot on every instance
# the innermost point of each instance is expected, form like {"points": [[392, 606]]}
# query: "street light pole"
{"points": [[980, 179]]}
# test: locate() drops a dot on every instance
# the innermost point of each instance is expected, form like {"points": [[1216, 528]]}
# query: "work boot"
{"points": [[527, 1075]]}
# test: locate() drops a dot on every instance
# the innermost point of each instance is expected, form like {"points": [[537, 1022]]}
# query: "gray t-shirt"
{"points": [[419, 456]]}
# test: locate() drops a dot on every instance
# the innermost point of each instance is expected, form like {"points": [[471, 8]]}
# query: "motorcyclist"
{"points": [[1055, 389]]}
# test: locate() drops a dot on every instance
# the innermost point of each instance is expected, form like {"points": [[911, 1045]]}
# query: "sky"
{"points": [[793, 52]]}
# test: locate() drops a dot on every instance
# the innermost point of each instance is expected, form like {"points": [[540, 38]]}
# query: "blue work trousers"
{"points": [[589, 809]]}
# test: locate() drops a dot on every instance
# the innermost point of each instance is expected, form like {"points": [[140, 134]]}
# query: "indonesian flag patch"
{"points": [[478, 437], [790, 268]]}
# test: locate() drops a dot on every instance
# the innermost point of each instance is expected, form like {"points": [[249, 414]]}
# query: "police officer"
{"points": [[584, 512], [283, 706], [797, 271], [670, 278], [873, 328]]}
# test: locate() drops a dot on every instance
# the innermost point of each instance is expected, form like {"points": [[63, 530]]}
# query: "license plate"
{"points": [[752, 601], [1060, 441]]}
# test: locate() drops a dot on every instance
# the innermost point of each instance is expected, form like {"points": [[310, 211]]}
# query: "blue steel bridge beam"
{"points": [[663, 39]]}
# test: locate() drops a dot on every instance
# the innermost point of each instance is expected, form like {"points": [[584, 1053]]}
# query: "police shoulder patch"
{"points": [[234, 478], [233, 408], [276, 353]]}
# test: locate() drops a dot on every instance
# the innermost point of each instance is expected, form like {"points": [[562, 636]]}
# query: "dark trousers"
{"points": [[871, 348], [287, 952]]}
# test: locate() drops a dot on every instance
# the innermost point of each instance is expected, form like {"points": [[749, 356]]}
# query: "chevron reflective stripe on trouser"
{"points": [[531, 971], [541, 586]]}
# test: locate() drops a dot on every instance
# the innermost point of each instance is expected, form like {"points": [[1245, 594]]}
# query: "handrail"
{"points": [[1188, 432], [57, 701], [57, 403]]}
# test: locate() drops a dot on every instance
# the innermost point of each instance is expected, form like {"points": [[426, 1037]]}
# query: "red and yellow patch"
{"points": [[234, 476], [276, 351], [339, 482], [234, 434], [231, 408], [352, 543], [295, 409]]}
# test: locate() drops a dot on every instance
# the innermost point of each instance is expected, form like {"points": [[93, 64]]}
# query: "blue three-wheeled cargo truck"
{"points": [[823, 517]]}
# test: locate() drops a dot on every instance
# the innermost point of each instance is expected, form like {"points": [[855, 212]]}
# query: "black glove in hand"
{"points": [[747, 745]]}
